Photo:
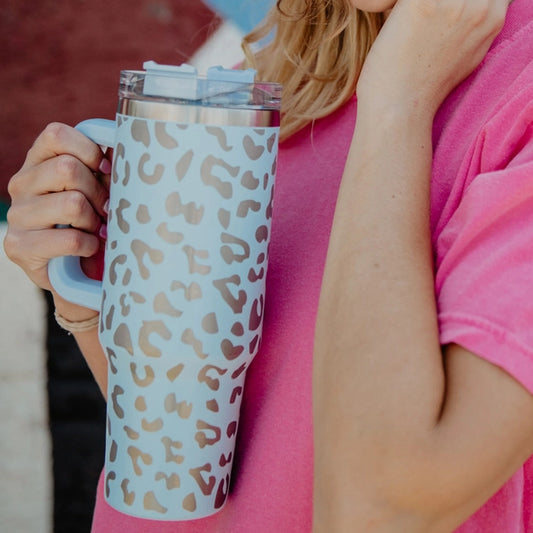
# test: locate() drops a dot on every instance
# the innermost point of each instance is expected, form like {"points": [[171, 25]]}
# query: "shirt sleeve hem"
{"points": [[491, 342]]}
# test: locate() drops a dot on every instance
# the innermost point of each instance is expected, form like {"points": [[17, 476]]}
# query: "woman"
{"points": [[406, 239]]}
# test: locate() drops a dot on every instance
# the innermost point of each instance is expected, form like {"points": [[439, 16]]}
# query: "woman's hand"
{"points": [[60, 183], [64, 181], [425, 48]]}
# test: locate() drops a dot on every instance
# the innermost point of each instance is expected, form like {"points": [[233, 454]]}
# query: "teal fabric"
{"points": [[3, 211], [245, 13]]}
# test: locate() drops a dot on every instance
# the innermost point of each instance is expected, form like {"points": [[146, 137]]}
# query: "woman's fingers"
{"points": [[60, 173], [32, 250], [57, 139], [65, 208], [64, 182], [38, 247], [33, 238]]}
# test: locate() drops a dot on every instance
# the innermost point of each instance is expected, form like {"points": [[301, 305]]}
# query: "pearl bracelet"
{"points": [[77, 327]]}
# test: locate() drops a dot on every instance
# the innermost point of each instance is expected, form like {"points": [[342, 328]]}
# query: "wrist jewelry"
{"points": [[79, 326]]}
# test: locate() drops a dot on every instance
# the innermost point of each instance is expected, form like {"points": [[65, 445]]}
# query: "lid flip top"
{"points": [[183, 82]]}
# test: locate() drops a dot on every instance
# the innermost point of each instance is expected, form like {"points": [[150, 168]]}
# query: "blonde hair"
{"points": [[316, 53]]}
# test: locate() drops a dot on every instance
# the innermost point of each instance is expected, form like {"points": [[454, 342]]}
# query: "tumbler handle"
{"points": [[65, 273]]}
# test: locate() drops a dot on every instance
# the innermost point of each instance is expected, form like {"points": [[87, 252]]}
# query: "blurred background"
{"points": [[60, 61]]}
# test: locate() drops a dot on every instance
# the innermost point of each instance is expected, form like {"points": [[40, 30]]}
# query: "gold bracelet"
{"points": [[77, 327]]}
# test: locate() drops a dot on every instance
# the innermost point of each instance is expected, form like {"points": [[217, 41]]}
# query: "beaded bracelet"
{"points": [[77, 327]]}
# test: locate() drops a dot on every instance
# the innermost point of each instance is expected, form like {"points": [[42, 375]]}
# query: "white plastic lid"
{"points": [[183, 81]]}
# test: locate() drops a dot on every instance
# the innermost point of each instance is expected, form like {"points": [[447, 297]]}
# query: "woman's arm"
{"points": [[87, 341], [408, 436], [62, 182]]}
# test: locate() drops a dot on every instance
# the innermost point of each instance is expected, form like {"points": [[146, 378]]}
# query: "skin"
{"points": [[401, 423], [374, 6], [409, 435], [60, 183]]}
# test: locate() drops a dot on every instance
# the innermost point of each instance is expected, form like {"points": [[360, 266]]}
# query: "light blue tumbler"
{"points": [[181, 303]]}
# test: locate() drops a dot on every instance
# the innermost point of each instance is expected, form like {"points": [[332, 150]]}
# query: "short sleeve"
{"points": [[484, 272]]}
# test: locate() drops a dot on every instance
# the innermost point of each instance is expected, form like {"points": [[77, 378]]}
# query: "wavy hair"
{"points": [[316, 53]]}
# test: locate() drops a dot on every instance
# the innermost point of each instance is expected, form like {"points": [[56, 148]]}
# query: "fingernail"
{"points": [[105, 166], [103, 231], [105, 207]]}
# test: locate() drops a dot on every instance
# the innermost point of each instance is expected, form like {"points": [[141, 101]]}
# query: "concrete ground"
{"points": [[25, 448], [25, 482]]}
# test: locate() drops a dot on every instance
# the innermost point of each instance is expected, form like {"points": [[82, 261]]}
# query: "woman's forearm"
{"points": [[378, 374], [94, 356], [88, 341], [409, 435]]}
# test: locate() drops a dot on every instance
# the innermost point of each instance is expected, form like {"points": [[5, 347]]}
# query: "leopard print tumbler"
{"points": [[182, 307]]}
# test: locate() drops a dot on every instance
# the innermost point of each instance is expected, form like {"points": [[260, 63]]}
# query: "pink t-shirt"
{"points": [[482, 225]]}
